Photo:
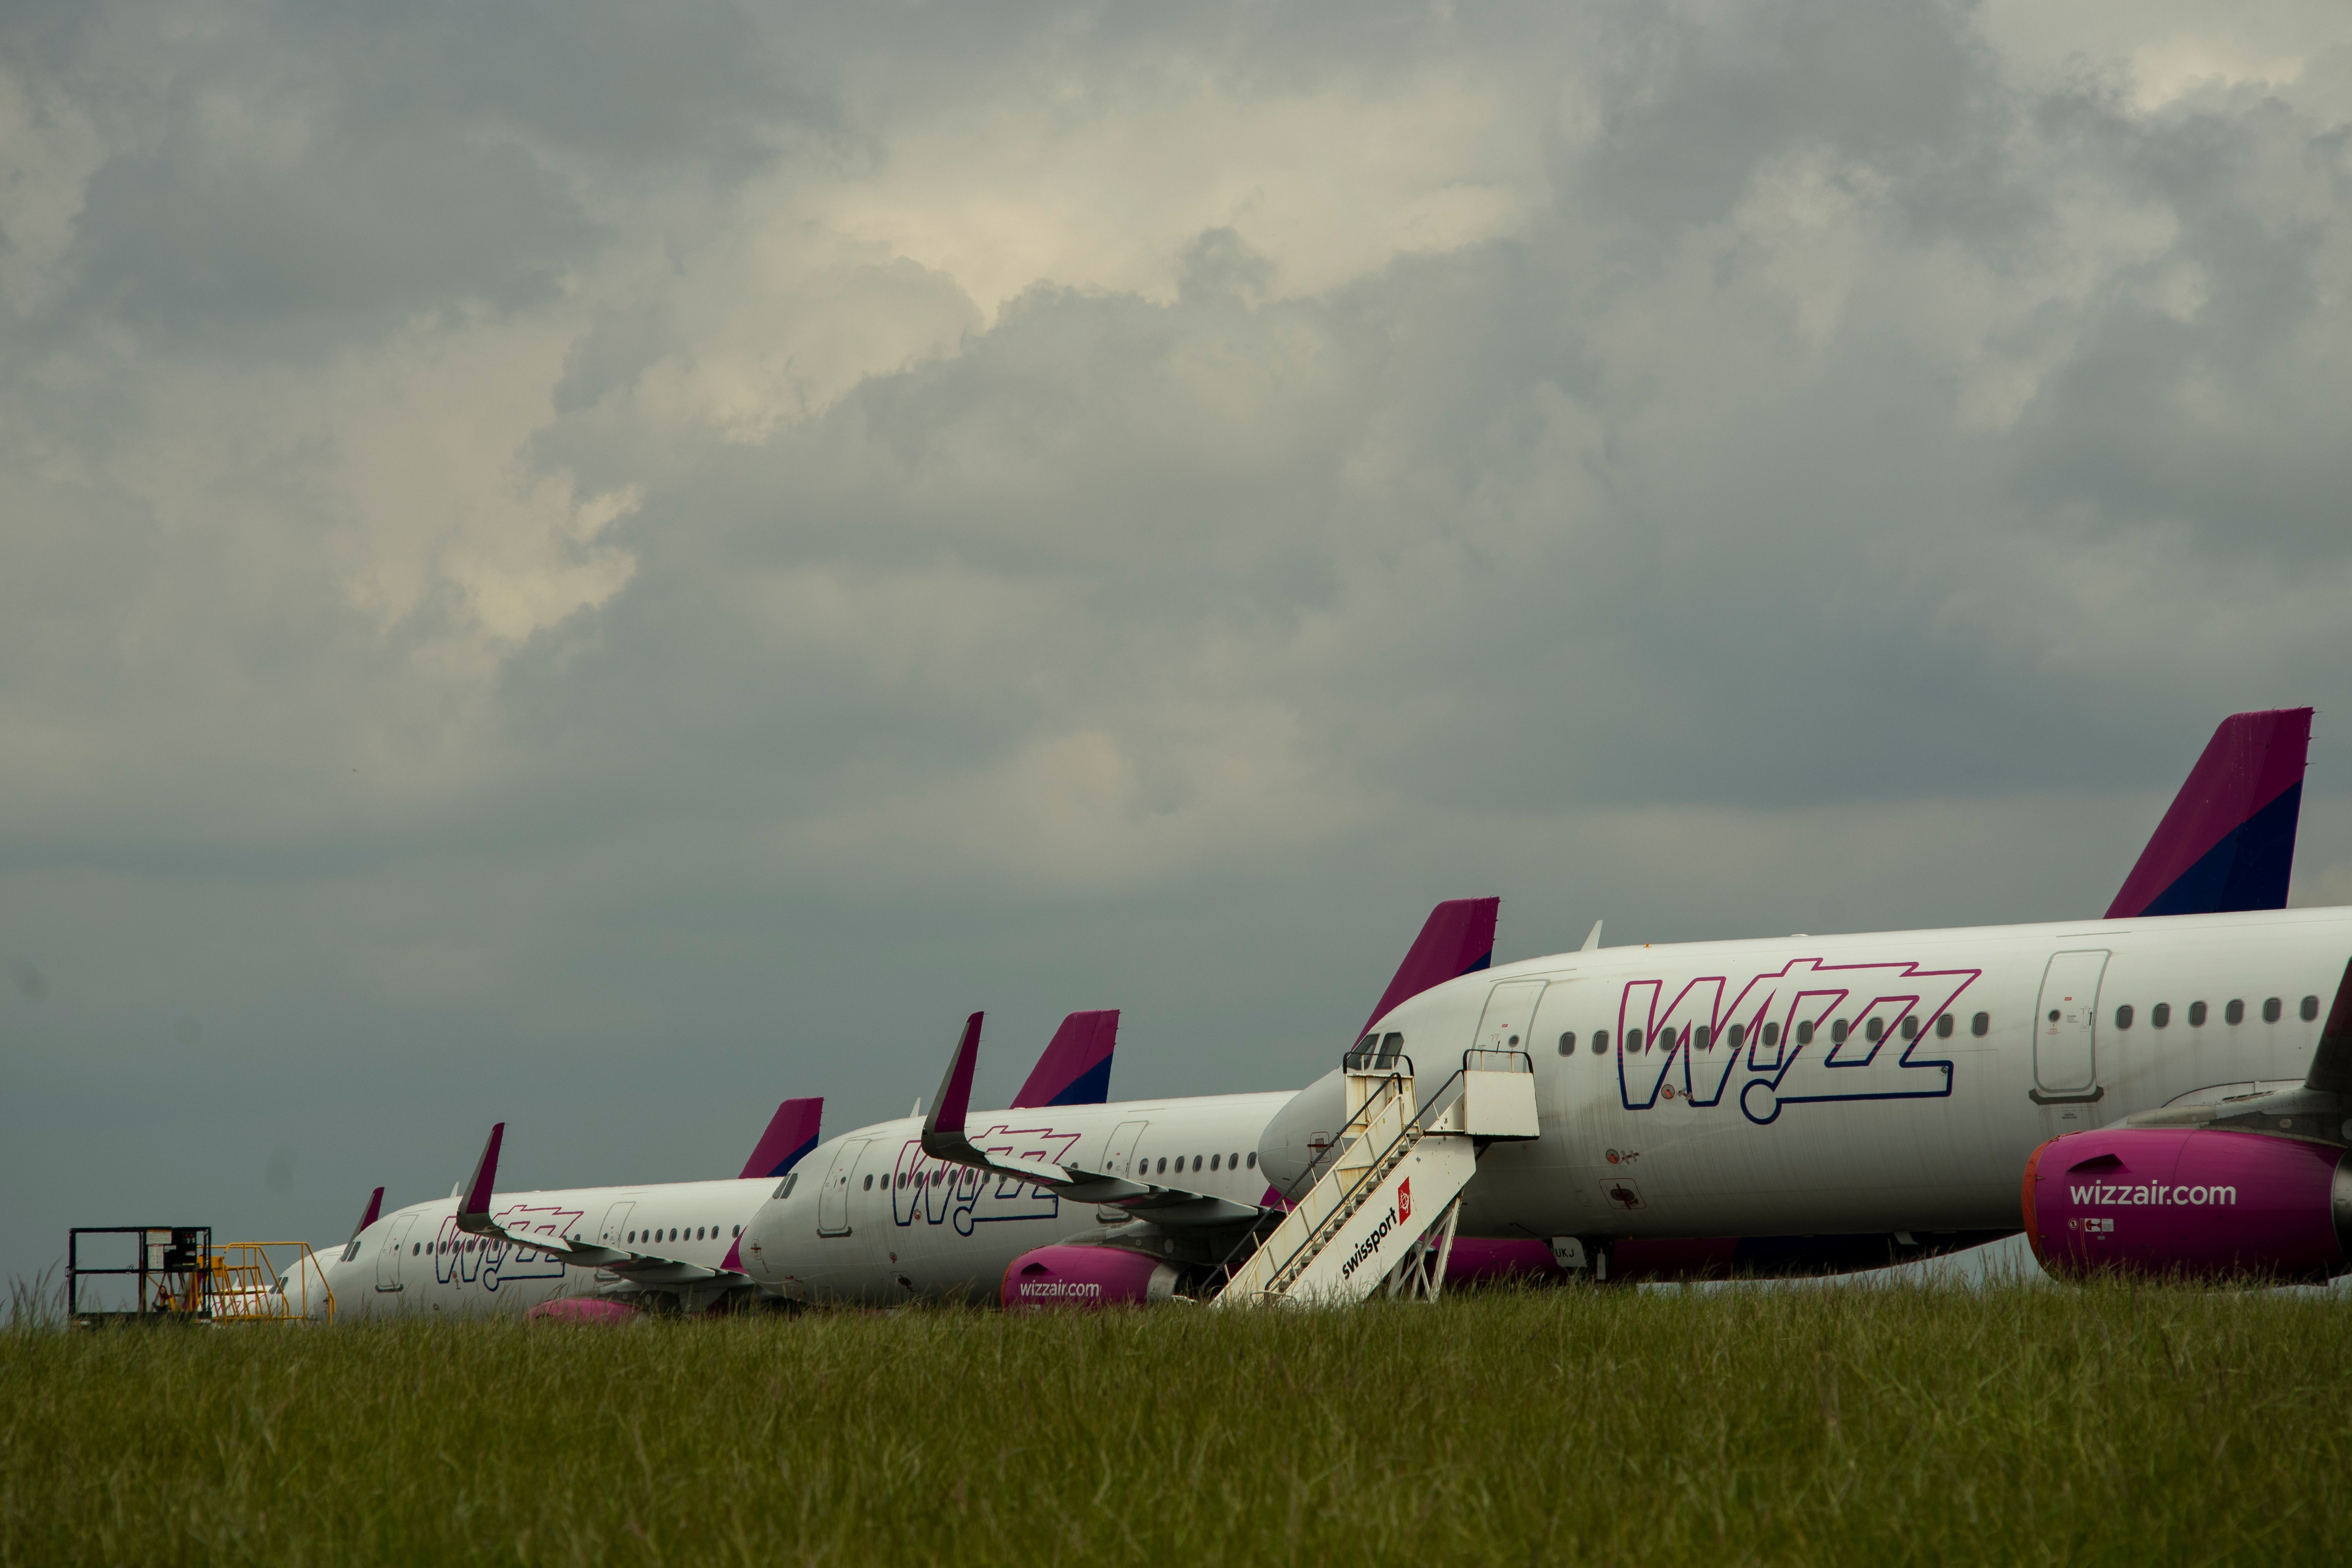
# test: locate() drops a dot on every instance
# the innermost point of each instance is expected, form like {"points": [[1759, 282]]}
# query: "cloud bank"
{"points": [[651, 563]]}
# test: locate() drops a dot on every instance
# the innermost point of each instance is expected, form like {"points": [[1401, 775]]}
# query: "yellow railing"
{"points": [[246, 1284]]}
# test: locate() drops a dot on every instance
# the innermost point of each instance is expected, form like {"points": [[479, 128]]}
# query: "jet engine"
{"points": [[2192, 1203], [1081, 1276]]}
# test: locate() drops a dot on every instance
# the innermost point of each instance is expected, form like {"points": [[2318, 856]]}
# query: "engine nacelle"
{"points": [[583, 1309], [2190, 1204], [1069, 1275]]}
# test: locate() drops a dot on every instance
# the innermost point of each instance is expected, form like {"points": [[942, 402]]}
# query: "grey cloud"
{"points": [[535, 577]]}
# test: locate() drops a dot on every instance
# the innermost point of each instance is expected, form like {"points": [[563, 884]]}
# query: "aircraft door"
{"points": [[1510, 1015], [387, 1262], [832, 1203], [1120, 1150], [2065, 1027], [615, 1228]]}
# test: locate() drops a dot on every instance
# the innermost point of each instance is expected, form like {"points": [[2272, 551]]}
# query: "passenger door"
{"points": [[387, 1262], [2065, 1028], [832, 1203], [1510, 1015]]}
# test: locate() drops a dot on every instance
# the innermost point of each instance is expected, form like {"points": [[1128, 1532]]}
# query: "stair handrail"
{"points": [[1415, 1126], [1311, 1177]]}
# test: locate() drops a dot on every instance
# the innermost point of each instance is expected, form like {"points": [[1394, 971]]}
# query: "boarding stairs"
{"points": [[1380, 1215]]}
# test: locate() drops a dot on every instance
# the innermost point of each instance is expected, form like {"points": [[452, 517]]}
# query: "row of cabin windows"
{"points": [[1702, 1037], [1143, 1167], [693, 1233], [690, 1233], [1699, 1036], [2232, 1011]]}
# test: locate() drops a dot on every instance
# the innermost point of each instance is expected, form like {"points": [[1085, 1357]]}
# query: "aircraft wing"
{"points": [[628, 1262], [944, 1139]]}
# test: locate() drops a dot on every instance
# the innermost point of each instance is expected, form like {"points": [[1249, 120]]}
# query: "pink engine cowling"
{"points": [[2190, 1204], [1087, 1277], [583, 1309]]}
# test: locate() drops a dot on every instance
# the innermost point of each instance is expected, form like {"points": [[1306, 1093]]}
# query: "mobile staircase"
{"points": [[1381, 1213]]}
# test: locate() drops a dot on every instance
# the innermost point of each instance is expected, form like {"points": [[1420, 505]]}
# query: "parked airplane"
{"points": [[956, 1203], [1824, 1102], [596, 1251], [1841, 1100]]}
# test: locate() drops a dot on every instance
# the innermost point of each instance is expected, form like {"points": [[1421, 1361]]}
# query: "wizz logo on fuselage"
{"points": [[488, 1261], [935, 1192], [1806, 1032]]}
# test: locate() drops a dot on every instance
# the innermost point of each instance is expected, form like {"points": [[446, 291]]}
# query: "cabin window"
{"points": [[1196, 1162], [2160, 1015], [1163, 1165], [2197, 1014], [1910, 1028], [2235, 1011], [415, 1248], [2271, 1010], [2124, 1016], [1706, 1037], [2310, 1008], [1253, 1159], [1772, 1033], [1981, 1026], [869, 1184], [1212, 1162], [1737, 1035], [1876, 1029], [1944, 1026], [1633, 1042], [1837, 1032], [633, 1236], [1568, 1044], [1599, 1042], [1805, 1033]]}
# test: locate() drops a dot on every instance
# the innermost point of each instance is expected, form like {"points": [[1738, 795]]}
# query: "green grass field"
{"points": [[1833, 1425]]}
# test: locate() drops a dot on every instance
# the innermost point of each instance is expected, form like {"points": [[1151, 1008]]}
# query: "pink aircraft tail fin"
{"points": [[1076, 1067], [791, 1133], [1458, 938], [2227, 840]]}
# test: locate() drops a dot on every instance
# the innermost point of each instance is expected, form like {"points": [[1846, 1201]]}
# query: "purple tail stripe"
{"points": [[2227, 842], [1458, 938], [1076, 1067], [791, 1134]]}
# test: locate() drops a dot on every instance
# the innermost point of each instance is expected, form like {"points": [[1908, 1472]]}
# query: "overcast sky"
{"points": [[599, 567]]}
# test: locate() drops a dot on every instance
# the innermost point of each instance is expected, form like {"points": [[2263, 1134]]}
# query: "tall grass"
{"points": [[1834, 1426]]}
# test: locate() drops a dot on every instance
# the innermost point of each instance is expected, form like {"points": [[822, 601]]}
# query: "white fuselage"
{"points": [[416, 1262], [870, 1217], [1845, 1106]]}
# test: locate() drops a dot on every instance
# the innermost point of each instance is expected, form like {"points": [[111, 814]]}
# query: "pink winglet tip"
{"points": [[486, 1173], [955, 1089]]}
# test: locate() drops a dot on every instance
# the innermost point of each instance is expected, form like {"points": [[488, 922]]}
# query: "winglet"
{"points": [[955, 1089], [374, 1210], [1076, 1067], [791, 1133], [2227, 842], [477, 1200], [1458, 938], [2331, 1064]]}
